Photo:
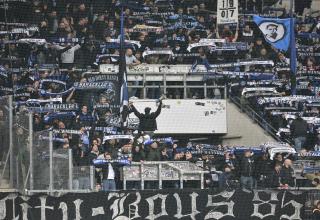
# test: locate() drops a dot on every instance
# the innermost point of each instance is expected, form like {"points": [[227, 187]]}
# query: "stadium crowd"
{"points": [[62, 37]]}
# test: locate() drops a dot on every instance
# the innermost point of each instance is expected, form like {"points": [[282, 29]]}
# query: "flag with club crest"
{"points": [[280, 33]]}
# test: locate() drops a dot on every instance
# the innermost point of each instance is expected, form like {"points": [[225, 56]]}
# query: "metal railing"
{"points": [[268, 128], [162, 171], [161, 80], [31, 164], [53, 170], [10, 149], [166, 81]]}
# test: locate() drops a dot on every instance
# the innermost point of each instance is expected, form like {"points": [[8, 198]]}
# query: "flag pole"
{"points": [[122, 30], [122, 65], [293, 54], [122, 72], [121, 52]]}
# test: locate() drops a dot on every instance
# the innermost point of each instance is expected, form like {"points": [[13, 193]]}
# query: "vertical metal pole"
{"points": [[225, 92], [159, 175], [92, 177], [70, 168], [11, 141], [124, 183], [17, 174], [164, 83], [141, 176], [205, 90], [185, 86], [50, 162], [291, 8], [31, 149], [144, 86], [202, 180], [181, 179]]}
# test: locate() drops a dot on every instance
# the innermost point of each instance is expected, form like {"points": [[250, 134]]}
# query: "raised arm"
{"points": [[135, 111], [61, 49], [236, 35], [157, 113]]}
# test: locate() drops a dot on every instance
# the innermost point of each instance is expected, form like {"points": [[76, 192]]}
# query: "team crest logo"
{"points": [[273, 32]]}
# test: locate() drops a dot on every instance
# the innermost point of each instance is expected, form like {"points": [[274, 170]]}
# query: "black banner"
{"points": [[157, 204]]}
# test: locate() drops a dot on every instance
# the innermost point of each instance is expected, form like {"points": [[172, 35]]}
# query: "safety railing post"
{"points": [[159, 175], [11, 166], [70, 168], [92, 177], [205, 92], [124, 180], [185, 95], [202, 180], [50, 162], [31, 150], [181, 179], [225, 92], [17, 173], [144, 86], [141, 176]]}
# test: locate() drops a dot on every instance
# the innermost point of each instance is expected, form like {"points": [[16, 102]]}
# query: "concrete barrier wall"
{"points": [[242, 130]]}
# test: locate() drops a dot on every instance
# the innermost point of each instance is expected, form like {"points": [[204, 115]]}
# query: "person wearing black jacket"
{"points": [[273, 179], [138, 154], [262, 170], [225, 178], [247, 171], [299, 130], [164, 156], [228, 160], [147, 120], [83, 167], [287, 174], [94, 153]]}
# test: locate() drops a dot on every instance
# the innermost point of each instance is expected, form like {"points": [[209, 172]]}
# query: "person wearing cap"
{"points": [[247, 170]]}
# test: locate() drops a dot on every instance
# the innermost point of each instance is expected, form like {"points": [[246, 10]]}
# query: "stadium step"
{"points": [[4, 181], [242, 129], [4, 184]]}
